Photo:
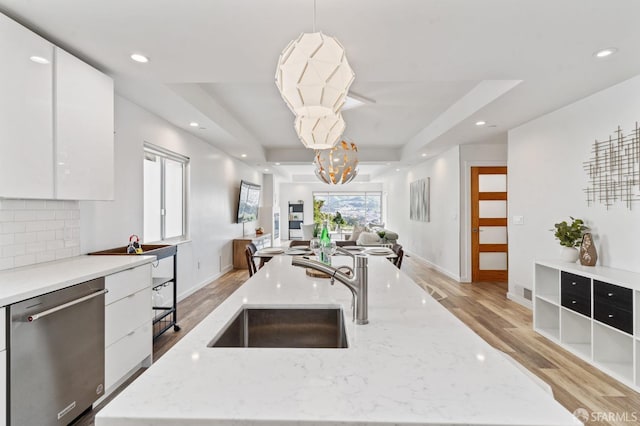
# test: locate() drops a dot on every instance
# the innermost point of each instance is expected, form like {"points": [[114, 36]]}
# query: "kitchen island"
{"points": [[414, 363]]}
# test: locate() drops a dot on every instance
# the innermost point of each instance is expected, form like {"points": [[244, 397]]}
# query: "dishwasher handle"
{"points": [[39, 315]]}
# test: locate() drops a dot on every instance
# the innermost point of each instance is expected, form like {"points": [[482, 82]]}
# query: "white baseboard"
{"points": [[203, 283], [436, 267], [519, 299]]}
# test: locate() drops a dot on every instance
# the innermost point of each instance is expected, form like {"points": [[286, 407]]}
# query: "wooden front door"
{"points": [[489, 224]]}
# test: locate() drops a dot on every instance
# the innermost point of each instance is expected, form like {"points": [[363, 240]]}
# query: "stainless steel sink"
{"points": [[284, 328]]}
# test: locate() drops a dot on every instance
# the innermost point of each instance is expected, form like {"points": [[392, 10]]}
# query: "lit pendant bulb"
{"points": [[338, 165]]}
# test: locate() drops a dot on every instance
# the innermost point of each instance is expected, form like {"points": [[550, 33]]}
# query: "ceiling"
{"points": [[433, 67]]}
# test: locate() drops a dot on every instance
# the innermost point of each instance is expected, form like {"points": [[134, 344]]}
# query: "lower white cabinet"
{"points": [[3, 367], [593, 312], [128, 328], [123, 356], [3, 384]]}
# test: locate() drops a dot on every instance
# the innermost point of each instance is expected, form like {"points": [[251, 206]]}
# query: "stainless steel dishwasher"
{"points": [[56, 355]]}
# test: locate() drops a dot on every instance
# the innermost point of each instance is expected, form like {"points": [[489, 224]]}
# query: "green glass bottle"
{"points": [[325, 244]]}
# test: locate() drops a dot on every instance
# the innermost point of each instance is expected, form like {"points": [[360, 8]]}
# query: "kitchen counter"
{"points": [[414, 363], [30, 281]]}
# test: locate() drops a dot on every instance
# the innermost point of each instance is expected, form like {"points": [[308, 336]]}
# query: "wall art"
{"points": [[614, 170], [419, 203]]}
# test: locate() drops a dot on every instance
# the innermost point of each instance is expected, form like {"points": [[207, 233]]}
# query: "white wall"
{"points": [[475, 155], [304, 191], [546, 182], [214, 181], [438, 241]]}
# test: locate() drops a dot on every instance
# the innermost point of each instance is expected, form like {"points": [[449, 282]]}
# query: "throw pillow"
{"points": [[357, 230], [367, 238]]}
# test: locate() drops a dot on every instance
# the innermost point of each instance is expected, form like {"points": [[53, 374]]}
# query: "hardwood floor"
{"points": [[506, 325]]}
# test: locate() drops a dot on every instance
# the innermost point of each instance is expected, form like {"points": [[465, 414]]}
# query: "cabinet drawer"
{"points": [[614, 295], [575, 285], [3, 329], [613, 316], [127, 314], [127, 282], [613, 305], [126, 353], [578, 304]]}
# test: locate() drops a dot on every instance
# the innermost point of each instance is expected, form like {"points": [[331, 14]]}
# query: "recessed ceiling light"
{"points": [[603, 53], [266, 170], [480, 123], [397, 170], [243, 155], [139, 58], [193, 124], [424, 154], [39, 60], [277, 164]]}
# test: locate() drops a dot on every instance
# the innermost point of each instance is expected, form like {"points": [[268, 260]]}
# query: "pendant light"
{"points": [[320, 132], [337, 165]]}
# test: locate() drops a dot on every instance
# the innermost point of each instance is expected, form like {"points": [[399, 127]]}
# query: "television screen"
{"points": [[248, 202]]}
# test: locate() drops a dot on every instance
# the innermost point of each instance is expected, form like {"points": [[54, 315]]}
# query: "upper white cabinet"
{"points": [[84, 153], [56, 121], [26, 113]]}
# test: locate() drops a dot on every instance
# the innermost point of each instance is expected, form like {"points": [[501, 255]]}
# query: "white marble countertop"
{"points": [[31, 281], [414, 363]]}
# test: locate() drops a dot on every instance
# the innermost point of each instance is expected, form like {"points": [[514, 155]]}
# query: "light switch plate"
{"points": [[518, 220]]}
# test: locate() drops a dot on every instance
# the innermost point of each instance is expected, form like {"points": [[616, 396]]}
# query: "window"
{"points": [[165, 210], [356, 208]]}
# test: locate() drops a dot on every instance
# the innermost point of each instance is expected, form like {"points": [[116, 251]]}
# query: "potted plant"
{"points": [[338, 220], [569, 236]]}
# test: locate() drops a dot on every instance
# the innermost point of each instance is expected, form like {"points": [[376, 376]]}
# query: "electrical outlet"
{"points": [[198, 264], [518, 220]]}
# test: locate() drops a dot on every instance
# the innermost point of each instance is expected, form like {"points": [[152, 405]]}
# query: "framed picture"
{"points": [[419, 200]]}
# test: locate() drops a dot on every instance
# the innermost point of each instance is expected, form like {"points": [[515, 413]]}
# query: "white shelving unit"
{"points": [[594, 325]]}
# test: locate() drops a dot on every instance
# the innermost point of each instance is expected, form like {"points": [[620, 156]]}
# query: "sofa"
{"points": [[370, 235]]}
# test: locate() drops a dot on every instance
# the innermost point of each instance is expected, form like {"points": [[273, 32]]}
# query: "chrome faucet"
{"points": [[357, 283]]}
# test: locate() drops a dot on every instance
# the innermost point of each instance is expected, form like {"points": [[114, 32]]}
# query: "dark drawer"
{"points": [[614, 295], [575, 285], [613, 316], [581, 305], [613, 305]]}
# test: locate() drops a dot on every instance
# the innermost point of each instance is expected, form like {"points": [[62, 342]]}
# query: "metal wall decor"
{"points": [[419, 203], [614, 170]]}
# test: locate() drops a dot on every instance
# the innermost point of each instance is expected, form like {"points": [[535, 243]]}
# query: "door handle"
{"points": [[34, 317]]}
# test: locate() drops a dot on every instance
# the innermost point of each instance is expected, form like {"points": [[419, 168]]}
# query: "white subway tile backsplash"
{"points": [[26, 237], [65, 252], [46, 235], [35, 226], [24, 215], [45, 256], [45, 214], [35, 231], [6, 263], [64, 214], [34, 204], [7, 239], [12, 227], [27, 259], [36, 247], [54, 245], [6, 215], [12, 204]]}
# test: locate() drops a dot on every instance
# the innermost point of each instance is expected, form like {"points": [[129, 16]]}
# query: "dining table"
{"points": [[267, 253]]}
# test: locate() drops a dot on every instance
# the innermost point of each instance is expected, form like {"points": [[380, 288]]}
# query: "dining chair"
{"points": [[249, 251], [397, 249], [295, 243]]}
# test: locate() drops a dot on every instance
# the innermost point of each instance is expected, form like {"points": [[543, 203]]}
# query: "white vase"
{"points": [[569, 254]]}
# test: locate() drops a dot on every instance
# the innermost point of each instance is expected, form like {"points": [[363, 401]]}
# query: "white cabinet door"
{"points": [[84, 131], [26, 113], [3, 386]]}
